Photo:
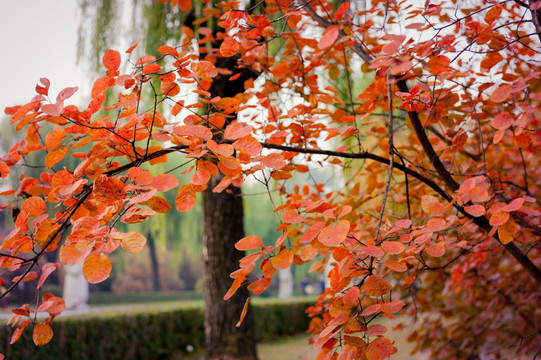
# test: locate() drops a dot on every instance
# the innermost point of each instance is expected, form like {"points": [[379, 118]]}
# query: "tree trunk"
{"points": [[222, 226], [156, 284]]}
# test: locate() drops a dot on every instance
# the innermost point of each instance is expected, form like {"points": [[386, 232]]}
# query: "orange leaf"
{"points": [[140, 176], [435, 250], [165, 49], [376, 286], [329, 37], [70, 256], [249, 145], [499, 217], [435, 224], [351, 297], [342, 10], [55, 156], [97, 268], [250, 242], [185, 5], [132, 241], [200, 177], [258, 286], [379, 349], [236, 284], [396, 265], [334, 235], [291, 216], [237, 130], [52, 139], [186, 198], [507, 231], [493, 14], [34, 206], [229, 47], [283, 259], [111, 60], [244, 311], [312, 232], [42, 334]]}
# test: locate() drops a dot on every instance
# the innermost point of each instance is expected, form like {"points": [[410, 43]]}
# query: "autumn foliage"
{"points": [[437, 211]]}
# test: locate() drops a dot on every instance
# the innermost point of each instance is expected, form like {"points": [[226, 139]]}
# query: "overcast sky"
{"points": [[38, 38]]}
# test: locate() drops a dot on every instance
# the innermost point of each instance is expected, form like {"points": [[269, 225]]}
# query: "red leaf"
{"points": [[514, 205], [111, 59], [43, 90], [329, 37], [379, 349], [165, 49], [164, 182], [151, 68], [66, 93], [502, 121], [199, 131], [334, 235], [131, 48], [376, 330], [342, 10], [46, 270], [475, 210], [237, 130]]}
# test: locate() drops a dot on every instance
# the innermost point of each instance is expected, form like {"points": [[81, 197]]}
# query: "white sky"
{"points": [[38, 38]]}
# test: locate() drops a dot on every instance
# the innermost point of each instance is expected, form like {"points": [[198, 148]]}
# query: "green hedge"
{"points": [[146, 335]]}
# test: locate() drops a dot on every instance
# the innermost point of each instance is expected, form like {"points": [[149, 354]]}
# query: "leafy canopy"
{"points": [[438, 205]]}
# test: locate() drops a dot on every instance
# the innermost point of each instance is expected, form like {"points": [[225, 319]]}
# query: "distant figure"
{"points": [[304, 283], [75, 292]]}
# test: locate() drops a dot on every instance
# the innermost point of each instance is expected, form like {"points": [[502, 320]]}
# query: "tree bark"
{"points": [[156, 283], [223, 225]]}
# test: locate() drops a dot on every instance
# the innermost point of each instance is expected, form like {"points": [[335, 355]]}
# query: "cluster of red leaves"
{"points": [[455, 222]]}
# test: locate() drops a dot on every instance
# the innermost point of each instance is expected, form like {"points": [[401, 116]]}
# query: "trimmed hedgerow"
{"points": [[150, 334]]}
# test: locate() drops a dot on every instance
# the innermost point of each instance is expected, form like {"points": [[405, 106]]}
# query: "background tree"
{"points": [[440, 207], [222, 215]]}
